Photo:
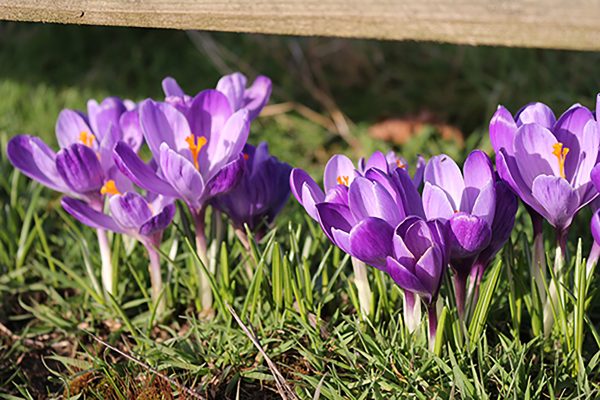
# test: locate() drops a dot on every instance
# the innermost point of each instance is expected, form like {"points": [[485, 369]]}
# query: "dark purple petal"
{"points": [[88, 216], [595, 226], [227, 178], [371, 241], [306, 191], [405, 279], [140, 173], [468, 235], [257, 96], [159, 222], [334, 216], [419, 171], [79, 167]]}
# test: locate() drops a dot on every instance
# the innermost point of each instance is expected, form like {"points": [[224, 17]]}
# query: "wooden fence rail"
{"points": [[566, 24]]}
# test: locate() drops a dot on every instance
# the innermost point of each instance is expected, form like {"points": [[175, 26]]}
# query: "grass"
{"points": [[300, 302]]}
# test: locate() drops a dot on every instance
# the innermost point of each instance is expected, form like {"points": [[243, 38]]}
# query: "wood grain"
{"points": [[523, 23]]}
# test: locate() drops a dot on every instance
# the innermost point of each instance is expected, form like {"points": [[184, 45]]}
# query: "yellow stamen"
{"points": [[86, 139], [561, 155], [246, 156], [195, 144], [400, 164], [343, 180], [109, 188]]}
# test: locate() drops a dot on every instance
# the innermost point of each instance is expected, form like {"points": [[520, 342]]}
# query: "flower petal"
{"points": [[334, 216], [469, 235], [69, 126], [534, 146], [306, 191], [502, 130], [370, 199], [485, 203], [88, 216], [371, 241], [590, 143], [558, 199], [478, 173], [442, 171], [338, 166], [257, 96], [536, 113], [404, 278], [159, 222], [208, 113], [436, 203], [80, 168], [233, 87], [181, 174], [227, 178], [131, 129], [163, 123], [171, 87], [130, 211]]}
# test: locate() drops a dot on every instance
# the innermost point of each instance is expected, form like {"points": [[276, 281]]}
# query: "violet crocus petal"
{"points": [[370, 199], [595, 226], [536, 113], [79, 167], [338, 195], [163, 123], [509, 172], [181, 174], [88, 216], [233, 87], [442, 171], [574, 119], [132, 166], [208, 113], [227, 178], [595, 177], [558, 199], [436, 203], [419, 171], [429, 269], [377, 160], [502, 130], [131, 130], [504, 221], [371, 241], [478, 173], [485, 203], [570, 131], [130, 210], [589, 141], [338, 166], [171, 88], [334, 216], [104, 115], [306, 191], [341, 239], [159, 222], [404, 278], [36, 160], [411, 199], [69, 127], [226, 146], [257, 96], [469, 235], [534, 145]]}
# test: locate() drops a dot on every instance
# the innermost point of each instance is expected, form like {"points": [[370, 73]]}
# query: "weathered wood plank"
{"points": [[524, 23]]}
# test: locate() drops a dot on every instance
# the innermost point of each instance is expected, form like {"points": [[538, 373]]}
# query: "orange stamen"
{"points": [[195, 144], [86, 138], [400, 164], [561, 155], [343, 180], [109, 188], [246, 156]]}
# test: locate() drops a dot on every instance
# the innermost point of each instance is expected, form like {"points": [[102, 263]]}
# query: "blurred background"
{"points": [[329, 95]]}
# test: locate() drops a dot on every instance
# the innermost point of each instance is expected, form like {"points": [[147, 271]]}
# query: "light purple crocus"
{"points": [[233, 86], [261, 193], [131, 214], [547, 162], [83, 168]]}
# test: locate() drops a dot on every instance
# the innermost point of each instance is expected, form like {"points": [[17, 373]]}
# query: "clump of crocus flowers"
{"points": [[416, 229]]}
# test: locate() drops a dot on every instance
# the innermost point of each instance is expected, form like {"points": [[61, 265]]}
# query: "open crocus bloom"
{"points": [[130, 213], [198, 153], [261, 193], [547, 162], [233, 86], [419, 257], [466, 200], [85, 163]]}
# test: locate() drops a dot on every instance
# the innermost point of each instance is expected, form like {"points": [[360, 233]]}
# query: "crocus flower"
{"points": [[233, 86], [131, 214], [396, 161], [261, 193], [547, 162], [84, 166], [467, 202], [418, 261]]}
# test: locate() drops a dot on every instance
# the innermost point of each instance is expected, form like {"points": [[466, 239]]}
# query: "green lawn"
{"points": [[300, 302]]}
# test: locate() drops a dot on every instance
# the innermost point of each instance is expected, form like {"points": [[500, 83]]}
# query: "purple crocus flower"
{"points": [[131, 214], [418, 262], [261, 193], [233, 86], [395, 161], [84, 166], [547, 162]]}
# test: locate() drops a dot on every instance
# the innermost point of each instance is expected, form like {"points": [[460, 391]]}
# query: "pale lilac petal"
{"points": [[139, 172], [478, 173], [131, 129], [306, 191], [171, 87], [130, 211], [338, 166], [370, 199], [88, 216], [429, 269], [371, 241], [257, 96], [233, 87], [163, 123], [442, 171], [341, 239], [377, 160], [208, 113], [558, 199], [159, 222], [502, 130], [590, 143], [436, 203], [338, 194], [181, 174], [595, 176], [533, 152], [509, 173], [485, 203], [536, 113], [104, 115], [419, 171], [574, 120], [69, 126]]}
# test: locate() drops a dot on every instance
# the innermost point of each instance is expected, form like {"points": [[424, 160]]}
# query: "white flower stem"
{"points": [[412, 311], [592, 260], [361, 280], [106, 257], [554, 289], [156, 279], [206, 296]]}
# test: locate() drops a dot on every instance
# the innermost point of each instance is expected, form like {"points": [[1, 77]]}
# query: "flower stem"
{"points": [[433, 324], [412, 311], [554, 291], [106, 257], [361, 280], [459, 279], [155, 278], [538, 264], [206, 296]]}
